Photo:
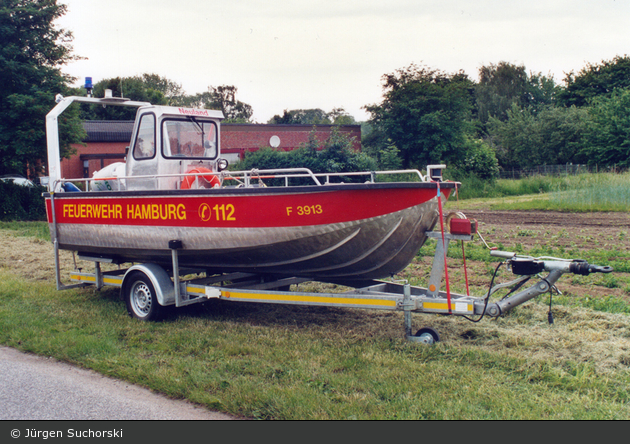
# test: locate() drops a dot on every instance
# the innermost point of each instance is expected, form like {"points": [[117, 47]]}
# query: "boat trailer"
{"points": [[148, 288]]}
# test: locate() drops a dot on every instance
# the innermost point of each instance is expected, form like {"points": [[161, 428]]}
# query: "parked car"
{"points": [[17, 179]]}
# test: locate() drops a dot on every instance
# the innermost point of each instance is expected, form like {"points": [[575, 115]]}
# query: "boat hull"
{"points": [[330, 233]]}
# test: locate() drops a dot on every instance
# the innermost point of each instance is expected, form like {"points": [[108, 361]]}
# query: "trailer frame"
{"points": [[176, 287]]}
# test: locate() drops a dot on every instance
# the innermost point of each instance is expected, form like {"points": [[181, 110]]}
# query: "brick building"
{"points": [[106, 142]]}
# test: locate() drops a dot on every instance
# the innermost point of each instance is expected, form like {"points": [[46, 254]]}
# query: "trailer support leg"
{"points": [[99, 275], [174, 245], [57, 270], [407, 306], [437, 270]]}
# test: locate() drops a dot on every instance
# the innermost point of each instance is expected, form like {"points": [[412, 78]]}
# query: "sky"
{"points": [[302, 54]]}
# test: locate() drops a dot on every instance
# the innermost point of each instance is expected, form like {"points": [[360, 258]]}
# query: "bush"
{"points": [[478, 159], [337, 156], [21, 202]]}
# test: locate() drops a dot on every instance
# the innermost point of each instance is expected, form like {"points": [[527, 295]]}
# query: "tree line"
{"points": [[508, 118]]}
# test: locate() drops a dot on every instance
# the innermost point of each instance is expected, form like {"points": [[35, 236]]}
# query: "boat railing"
{"points": [[249, 178], [372, 174], [245, 177]]}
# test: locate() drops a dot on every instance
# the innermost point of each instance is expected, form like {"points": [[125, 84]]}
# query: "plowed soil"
{"points": [[576, 230]]}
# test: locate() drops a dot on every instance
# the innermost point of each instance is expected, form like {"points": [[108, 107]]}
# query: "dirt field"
{"points": [[573, 233], [576, 230]]}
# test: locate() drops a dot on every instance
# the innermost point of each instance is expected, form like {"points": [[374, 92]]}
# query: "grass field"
{"points": [[280, 362], [585, 192]]}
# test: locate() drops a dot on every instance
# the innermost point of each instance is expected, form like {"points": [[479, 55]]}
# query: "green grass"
{"points": [[474, 188], [598, 192], [37, 230], [270, 362], [580, 193], [609, 304]]}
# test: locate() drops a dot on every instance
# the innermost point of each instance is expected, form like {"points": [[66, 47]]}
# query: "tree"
{"points": [[595, 80], [554, 135], [161, 91], [541, 91], [224, 98], [339, 156], [339, 116], [499, 87], [133, 88], [221, 98], [505, 84], [315, 116], [170, 89], [425, 113], [608, 133], [32, 51]]}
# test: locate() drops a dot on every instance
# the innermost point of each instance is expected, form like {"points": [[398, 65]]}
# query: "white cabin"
{"points": [[167, 142], [171, 141]]}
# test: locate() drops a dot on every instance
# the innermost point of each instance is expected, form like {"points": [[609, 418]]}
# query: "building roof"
{"points": [[121, 130], [108, 130]]}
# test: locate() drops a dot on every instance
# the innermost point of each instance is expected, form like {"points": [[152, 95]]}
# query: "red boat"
{"points": [[174, 187]]}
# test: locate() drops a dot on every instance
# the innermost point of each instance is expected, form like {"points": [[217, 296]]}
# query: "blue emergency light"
{"points": [[88, 86]]}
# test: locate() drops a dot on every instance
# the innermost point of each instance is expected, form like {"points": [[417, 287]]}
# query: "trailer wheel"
{"points": [[141, 298], [428, 335]]}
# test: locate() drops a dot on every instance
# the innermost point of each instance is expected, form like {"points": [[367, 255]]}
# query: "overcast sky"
{"points": [[300, 54]]}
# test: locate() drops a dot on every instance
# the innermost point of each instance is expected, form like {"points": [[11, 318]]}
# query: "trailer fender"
{"points": [[159, 278]]}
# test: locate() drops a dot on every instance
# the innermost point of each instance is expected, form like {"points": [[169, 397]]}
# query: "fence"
{"points": [[557, 170]]}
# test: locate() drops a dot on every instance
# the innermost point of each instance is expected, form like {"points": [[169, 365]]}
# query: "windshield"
{"points": [[191, 138]]}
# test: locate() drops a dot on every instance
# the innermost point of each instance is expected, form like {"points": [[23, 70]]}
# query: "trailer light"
{"points": [[463, 226]]}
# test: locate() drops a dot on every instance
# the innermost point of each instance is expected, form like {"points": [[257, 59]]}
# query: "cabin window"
{"points": [[192, 139], [144, 147]]}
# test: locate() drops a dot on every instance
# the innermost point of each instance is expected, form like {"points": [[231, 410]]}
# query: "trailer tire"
{"points": [[141, 297], [435, 337]]}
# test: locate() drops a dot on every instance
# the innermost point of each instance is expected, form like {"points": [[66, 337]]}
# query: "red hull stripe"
{"points": [[274, 210]]}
